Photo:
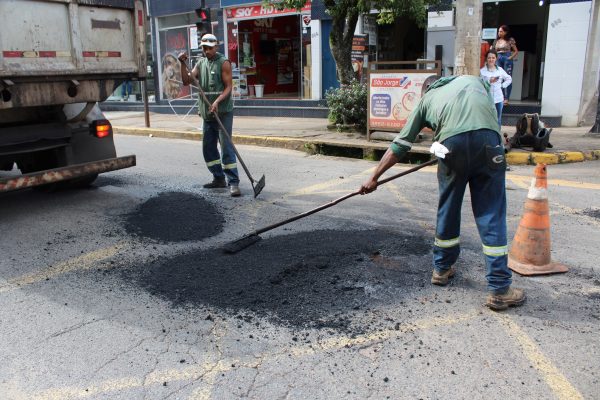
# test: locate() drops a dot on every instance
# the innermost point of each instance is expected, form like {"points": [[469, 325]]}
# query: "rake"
{"points": [[253, 237]]}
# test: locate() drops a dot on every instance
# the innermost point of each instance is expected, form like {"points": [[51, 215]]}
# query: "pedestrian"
{"points": [[126, 90], [460, 111], [506, 48], [498, 79], [213, 74]]}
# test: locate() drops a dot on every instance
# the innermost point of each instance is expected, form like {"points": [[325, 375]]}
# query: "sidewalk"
{"points": [[312, 135]]}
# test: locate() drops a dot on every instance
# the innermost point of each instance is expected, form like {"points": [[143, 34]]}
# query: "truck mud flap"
{"points": [[65, 173]]}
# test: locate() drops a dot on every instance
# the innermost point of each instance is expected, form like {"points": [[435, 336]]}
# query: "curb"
{"points": [[520, 158], [368, 149]]}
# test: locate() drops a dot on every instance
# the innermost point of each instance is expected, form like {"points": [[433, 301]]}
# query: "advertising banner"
{"points": [[359, 51], [261, 10], [173, 42], [392, 97]]}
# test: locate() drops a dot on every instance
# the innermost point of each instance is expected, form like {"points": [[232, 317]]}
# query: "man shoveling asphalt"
{"points": [[461, 112], [213, 74]]}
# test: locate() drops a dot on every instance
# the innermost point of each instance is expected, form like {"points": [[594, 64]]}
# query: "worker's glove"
{"points": [[439, 150]]}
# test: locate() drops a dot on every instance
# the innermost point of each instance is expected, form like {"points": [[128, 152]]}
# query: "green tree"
{"points": [[345, 14]]}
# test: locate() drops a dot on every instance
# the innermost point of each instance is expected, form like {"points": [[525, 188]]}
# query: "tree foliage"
{"points": [[345, 14]]}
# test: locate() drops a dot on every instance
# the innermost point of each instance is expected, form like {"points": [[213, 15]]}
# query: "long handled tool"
{"points": [[253, 237], [257, 186]]}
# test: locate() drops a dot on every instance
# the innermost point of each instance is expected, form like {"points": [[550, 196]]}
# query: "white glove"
{"points": [[439, 150]]}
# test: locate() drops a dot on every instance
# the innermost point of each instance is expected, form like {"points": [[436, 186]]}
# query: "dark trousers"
{"points": [[506, 65], [225, 165], [469, 163]]}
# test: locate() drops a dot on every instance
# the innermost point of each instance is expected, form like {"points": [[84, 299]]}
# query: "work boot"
{"points": [[234, 190], [216, 183], [441, 279], [512, 298]]}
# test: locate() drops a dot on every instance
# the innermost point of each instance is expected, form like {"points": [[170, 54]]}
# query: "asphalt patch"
{"points": [[175, 217], [592, 212], [322, 280]]}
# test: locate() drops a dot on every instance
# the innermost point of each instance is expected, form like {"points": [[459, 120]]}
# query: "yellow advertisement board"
{"points": [[392, 97]]}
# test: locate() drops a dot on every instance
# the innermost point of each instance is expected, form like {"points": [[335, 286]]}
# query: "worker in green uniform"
{"points": [[461, 113], [213, 73]]}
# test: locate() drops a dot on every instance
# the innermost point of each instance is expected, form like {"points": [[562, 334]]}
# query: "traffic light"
{"points": [[204, 25]]}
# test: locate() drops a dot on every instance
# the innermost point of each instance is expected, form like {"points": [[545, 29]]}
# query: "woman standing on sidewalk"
{"points": [[498, 79], [506, 48]]}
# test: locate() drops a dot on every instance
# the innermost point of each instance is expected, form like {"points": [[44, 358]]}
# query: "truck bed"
{"points": [[68, 51]]}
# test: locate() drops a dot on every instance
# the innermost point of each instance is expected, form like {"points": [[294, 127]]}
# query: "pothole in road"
{"points": [[322, 279], [175, 217]]}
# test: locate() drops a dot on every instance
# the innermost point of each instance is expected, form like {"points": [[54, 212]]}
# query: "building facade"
{"points": [[556, 69]]}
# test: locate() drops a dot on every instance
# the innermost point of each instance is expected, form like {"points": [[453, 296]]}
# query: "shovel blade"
{"points": [[260, 185]]}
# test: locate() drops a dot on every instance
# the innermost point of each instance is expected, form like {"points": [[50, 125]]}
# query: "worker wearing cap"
{"points": [[213, 73], [461, 113]]}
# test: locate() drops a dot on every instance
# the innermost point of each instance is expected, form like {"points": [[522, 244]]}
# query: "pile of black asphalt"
{"points": [[175, 217], [321, 279]]}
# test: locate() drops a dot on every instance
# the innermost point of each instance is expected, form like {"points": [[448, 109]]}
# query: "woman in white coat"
{"points": [[498, 79]]}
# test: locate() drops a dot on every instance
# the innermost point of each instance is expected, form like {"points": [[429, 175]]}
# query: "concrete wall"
{"points": [[589, 98], [566, 45], [445, 37]]}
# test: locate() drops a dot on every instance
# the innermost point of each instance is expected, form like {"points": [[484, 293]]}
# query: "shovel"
{"points": [[253, 237]]}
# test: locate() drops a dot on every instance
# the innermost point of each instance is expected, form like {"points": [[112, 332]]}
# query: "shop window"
{"points": [[179, 20], [266, 56]]}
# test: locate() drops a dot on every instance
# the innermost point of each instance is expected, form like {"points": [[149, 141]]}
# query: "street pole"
{"points": [[146, 107], [467, 44], [595, 131]]}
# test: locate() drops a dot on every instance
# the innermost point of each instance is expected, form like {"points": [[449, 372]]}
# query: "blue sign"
{"points": [[236, 3], [381, 105]]}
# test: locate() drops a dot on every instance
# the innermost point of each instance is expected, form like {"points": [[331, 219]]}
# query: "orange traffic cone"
{"points": [[530, 251]]}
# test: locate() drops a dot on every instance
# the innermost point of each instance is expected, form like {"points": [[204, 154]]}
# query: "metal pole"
{"points": [[146, 107], [595, 131]]}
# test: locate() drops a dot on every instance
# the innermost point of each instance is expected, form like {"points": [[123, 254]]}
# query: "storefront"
{"points": [[558, 57], [270, 50]]}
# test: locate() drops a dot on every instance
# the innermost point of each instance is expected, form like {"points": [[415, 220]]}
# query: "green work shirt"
{"points": [[450, 106], [212, 84]]}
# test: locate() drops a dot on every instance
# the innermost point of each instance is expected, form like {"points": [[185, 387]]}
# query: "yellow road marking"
{"points": [[526, 180], [325, 187], [561, 387], [83, 262], [393, 188], [318, 187], [117, 385], [209, 370], [518, 182], [363, 340]]}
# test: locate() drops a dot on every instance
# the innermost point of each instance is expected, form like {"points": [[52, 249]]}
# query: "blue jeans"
{"points": [[225, 166], [470, 162], [499, 107], [506, 65]]}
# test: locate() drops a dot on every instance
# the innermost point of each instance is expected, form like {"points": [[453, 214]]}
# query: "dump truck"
{"points": [[58, 59]]}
